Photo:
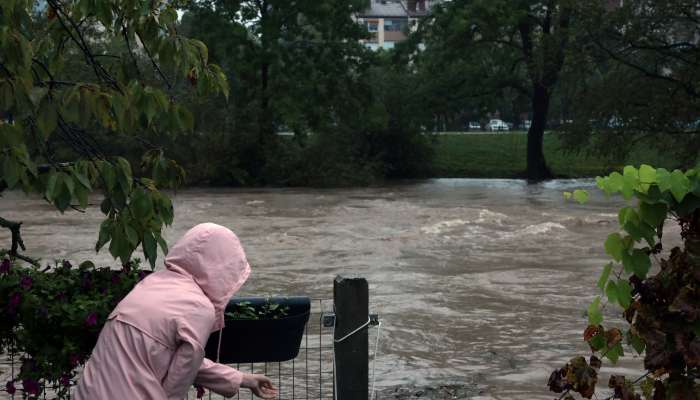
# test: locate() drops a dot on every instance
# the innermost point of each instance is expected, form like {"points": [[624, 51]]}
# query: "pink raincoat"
{"points": [[152, 346]]}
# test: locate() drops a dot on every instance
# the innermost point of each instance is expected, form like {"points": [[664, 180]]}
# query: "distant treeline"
{"points": [[360, 116]]}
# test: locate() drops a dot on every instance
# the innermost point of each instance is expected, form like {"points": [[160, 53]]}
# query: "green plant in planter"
{"points": [[268, 310], [53, 316], [661, 308]]}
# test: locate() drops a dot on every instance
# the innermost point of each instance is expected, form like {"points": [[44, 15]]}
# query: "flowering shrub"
{"points": [[53, 316]]}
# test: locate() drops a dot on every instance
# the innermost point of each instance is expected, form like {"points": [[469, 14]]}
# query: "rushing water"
{"points": [[476, 281]]}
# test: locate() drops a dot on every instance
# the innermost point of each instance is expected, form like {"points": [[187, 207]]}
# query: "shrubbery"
{"points": [[51, 317]]}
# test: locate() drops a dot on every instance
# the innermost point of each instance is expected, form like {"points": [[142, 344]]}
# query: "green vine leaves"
{"points": [[660, 194], [663, 310], [70, 68]]}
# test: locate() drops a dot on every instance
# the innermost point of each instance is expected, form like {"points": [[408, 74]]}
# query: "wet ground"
{"points": [[479, 283]]}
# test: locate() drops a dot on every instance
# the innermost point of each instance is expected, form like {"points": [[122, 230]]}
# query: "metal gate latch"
{"points": [[328, 319]]}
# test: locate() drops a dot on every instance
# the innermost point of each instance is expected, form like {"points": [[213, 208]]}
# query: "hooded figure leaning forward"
{"points": [[152, 345]]}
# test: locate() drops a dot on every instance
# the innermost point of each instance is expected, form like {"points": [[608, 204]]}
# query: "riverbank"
{"points": [[503, 155], [441, 392]]}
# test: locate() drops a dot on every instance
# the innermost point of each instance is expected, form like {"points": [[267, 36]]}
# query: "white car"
{"points": [[474, 126], [496, 125]]}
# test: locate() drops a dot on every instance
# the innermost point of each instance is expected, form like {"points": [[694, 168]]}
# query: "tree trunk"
{"points": [[536, 165], [266, 128], [692, 237]]}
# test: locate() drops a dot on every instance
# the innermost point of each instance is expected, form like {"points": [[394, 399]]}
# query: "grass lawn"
{"points": [[502, 155]]}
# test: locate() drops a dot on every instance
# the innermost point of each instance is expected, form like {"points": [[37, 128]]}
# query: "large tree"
{"points": [[641, 80], [517, 44], [290, 64]]}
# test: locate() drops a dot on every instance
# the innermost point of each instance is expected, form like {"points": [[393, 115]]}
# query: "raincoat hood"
{"points": [[213, 256]]}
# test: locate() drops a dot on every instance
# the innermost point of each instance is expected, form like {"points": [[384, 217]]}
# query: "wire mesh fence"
{"points": [[310, 376]]}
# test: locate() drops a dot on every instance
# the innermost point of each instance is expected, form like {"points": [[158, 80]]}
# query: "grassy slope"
{"points": [[503, 156]]}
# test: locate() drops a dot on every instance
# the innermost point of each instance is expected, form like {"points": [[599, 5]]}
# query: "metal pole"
{"points": [[351, 297]]}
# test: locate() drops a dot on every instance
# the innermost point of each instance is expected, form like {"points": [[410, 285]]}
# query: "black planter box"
{"points": [[261, 340]]}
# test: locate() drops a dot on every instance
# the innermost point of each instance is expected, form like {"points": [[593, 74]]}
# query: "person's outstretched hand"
{"points": [[260, 385]]}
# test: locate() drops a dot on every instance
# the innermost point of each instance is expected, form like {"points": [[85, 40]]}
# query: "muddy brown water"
{"points": [[477, 282]]}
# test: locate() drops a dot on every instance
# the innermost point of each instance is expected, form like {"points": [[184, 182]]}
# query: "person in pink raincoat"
{"points": [[152, 345]]}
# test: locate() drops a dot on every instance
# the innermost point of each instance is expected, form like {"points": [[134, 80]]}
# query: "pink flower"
{"points": [[10, 387], [30, 387], [200, 391], [65, 380], [5, 266], [91, 319], [26, 282]]}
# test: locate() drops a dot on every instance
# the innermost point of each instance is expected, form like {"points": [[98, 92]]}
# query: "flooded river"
{"points": [[481, 282]]}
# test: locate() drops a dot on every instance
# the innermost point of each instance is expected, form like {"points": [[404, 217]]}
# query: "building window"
{"points": [[395, 25], [388, 45], [372, 26]]}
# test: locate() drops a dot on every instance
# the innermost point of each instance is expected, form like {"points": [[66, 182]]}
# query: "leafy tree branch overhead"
{"points": [[46, 104]]}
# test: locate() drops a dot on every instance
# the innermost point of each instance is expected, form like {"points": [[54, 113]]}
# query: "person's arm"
{"points": [[226, 381], [260, 385], [184, 364], [219, 378]]}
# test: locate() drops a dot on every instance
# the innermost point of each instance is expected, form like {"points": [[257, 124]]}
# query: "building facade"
{"points": [[390, 21]]}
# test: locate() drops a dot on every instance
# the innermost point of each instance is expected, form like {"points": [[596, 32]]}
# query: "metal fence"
{"points": [[310, 376]]}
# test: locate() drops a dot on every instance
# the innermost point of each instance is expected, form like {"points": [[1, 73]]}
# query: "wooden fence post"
{"points": [[351, 297]]}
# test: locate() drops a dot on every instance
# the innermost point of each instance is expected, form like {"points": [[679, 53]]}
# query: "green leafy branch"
{"points": [[663, 310], [48, 105]]}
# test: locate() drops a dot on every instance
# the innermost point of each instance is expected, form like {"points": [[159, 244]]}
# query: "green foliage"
{"points": [[53, 317], [624, 61], [595, 317], [268, 310], [502, 48], [579, 195], [662, 309], [300, 68], [71, 80], [69, 75]]}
